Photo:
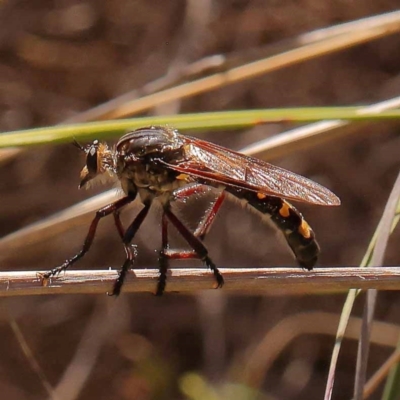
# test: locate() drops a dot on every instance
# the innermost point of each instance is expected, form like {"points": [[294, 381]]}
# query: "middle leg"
{"points": [[127, 238]]}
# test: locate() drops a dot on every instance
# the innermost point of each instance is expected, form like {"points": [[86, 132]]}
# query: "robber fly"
{"points": [[159, 163]]}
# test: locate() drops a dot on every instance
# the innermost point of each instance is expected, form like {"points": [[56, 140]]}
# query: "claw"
{"points": [[44, 277]]}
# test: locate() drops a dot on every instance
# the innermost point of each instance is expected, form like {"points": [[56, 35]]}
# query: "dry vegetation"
{"points": [[60, 58]]}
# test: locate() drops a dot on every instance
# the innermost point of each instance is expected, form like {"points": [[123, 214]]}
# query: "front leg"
{"points": [[103, 212]]}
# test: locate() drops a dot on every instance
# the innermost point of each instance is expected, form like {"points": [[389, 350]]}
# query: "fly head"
{"points": [[99, 161]]}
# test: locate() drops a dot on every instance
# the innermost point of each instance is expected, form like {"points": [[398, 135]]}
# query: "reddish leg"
{"points": [[103, 212], [199, 250], [121, 232], [118, 224], [186, 191], [126, 239], [202, 229], [205, 223]]}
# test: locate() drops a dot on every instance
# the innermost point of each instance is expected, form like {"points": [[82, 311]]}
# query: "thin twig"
{"points": [[370, 303], [103, 324], [256, 68], [240, 280], [255, 365], [31, 359], [381, 374]]}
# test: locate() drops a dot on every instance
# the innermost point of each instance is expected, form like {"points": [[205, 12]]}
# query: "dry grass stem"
{"points": [[239, 280]]}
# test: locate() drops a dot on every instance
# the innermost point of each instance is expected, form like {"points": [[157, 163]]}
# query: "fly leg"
{"points": [[205, 223], [199, 250], [163, 260], [166, 253], [196, 244], [118, 224], [127, 237], [103, 212], [121, 232]]}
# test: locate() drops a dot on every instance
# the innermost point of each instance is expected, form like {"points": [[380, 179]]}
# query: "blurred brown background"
{"points": [[58, 58]]}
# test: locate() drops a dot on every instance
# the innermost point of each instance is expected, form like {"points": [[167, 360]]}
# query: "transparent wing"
{"points": [[209, 161]]}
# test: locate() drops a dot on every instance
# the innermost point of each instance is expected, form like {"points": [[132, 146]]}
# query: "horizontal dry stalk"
{"points": [[186, 280]]}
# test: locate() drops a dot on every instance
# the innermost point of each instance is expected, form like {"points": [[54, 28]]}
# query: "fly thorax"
{"points": [[145, 174]]}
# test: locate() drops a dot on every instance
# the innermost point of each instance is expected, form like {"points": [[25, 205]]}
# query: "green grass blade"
{"points": [[199, 121], [369, 258], [392, 386]]}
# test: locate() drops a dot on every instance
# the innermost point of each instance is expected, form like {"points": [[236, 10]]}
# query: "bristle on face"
{"points": [[78, 145], [99, 164]]}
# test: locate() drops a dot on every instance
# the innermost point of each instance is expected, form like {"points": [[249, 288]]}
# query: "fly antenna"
{"points": [[78, 145]]}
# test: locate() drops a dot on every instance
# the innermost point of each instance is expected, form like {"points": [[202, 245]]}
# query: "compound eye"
{"points": [[91, 158]]}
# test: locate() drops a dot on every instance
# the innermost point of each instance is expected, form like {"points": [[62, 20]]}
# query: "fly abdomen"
{"points": [[298, 234]]}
